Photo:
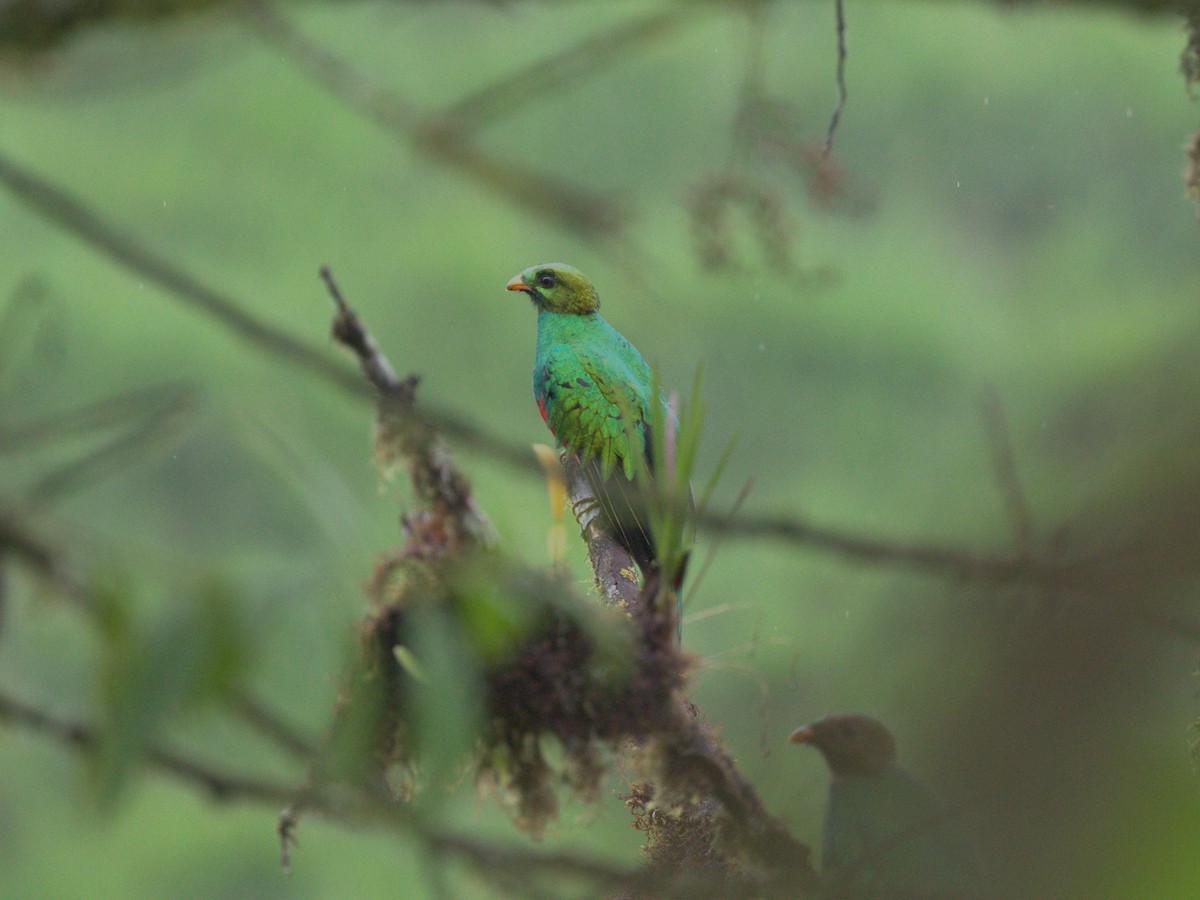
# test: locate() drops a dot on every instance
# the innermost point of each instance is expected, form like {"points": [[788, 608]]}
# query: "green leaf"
{"points": [[446, 707]]}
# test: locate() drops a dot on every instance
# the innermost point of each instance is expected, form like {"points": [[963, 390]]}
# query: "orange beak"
{"points": [[802, 735], [518, 285]]}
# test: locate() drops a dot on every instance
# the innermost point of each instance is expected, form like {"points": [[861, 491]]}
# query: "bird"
{"points": [[595, 392], [885, 837]]}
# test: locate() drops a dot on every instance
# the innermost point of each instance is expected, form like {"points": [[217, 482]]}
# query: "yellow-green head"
{"points": [[558, 288]]}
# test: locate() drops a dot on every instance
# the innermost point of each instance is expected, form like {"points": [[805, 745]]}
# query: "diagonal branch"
{"points": [[836, 117], [570, 65], [224, 786], [438, 482], [1004, 465], [436, 138], [934, 559], [70, 213], [109, 412]]}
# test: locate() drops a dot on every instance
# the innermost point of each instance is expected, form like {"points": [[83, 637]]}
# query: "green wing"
{"points": [[588, 401], [885, 836]]}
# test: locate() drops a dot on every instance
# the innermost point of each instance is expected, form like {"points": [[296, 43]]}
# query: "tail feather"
{"points": [[625, 510]]}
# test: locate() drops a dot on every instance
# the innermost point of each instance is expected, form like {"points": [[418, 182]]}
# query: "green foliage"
{"points": [[1029, 232], [677, 441], [446, 702], [152, 673]]}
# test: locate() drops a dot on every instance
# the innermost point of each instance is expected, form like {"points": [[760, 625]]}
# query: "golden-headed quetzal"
{"points": [[594, 391], [885, 837]]}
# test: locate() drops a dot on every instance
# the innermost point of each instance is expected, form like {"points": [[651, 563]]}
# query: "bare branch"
{"points": [[56, 205], [348, 330], [404, 435], [570, 65], [437, 138], [1005, 466], [71, 214], [270, 725], [840, 8], [614, 569], [85, 738]]}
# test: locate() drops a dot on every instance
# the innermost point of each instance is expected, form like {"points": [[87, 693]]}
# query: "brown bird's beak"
{"points": [[518, 285], [802, 735]]}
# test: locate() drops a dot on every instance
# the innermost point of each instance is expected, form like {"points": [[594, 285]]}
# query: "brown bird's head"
{"points": [[557, 287], [852, 744]]}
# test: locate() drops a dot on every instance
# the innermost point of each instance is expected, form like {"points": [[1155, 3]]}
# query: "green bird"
{"points": [[595, 392], [885, 837]]}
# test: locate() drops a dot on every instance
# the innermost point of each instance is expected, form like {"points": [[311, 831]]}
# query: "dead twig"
{"points": [[57, 206], [60, 207], [570, 65], [406, 436], [438, 138], [1004, 465], [271, 725], [840, 10], [223, 786]]}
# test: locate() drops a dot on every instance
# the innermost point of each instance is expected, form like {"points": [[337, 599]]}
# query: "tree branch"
{"points": [[615, 571], [271, 725], [71, 214], [570, 65], [437, 138], [404, 435], [60, 208], [840, 9], [1004, 465], [85, 738]]}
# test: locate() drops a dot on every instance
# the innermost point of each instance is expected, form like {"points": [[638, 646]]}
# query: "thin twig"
{"points": [[268, 723], [157, 426], [569, 65], [70, 213], [85, 738], [348, 330], [56, 204], [1005, 467], [839, 6], [404, 434], [439, 139], [96, 415]]}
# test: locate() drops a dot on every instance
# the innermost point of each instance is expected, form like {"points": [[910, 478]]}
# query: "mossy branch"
{"points": [[615, 571]]}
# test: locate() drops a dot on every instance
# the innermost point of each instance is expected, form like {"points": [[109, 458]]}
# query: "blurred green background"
{"points": [[1013, 225]]}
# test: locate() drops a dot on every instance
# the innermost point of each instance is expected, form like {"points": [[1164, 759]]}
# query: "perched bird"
{"points": [[595, 392], [885, 837]]}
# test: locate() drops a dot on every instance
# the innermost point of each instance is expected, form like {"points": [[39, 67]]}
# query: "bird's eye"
{"points": [[546, 280]]}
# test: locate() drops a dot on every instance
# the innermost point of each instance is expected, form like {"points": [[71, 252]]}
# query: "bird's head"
{"points": [[557, 287], [852, 744]]}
